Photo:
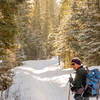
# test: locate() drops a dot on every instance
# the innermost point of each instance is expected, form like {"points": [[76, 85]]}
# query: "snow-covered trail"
{"points": [[40, 80]]}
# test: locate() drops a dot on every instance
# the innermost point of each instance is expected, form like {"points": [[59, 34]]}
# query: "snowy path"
{"points": [[40, 80]]}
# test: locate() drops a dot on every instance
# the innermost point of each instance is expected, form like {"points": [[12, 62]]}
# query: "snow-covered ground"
{"points": [[40, 80]]}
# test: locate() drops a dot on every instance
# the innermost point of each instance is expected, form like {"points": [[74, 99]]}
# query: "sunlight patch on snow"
{"points": [[54, 78], [39, 71], [61, 79]]}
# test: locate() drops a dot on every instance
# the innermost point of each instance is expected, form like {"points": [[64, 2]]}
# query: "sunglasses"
{"points": [[73, 64]]}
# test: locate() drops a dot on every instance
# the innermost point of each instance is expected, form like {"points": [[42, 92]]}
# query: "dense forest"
{"points": [[41, 29]]}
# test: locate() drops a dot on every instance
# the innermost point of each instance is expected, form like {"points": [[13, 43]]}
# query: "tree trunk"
{"points": [[67, 60], [59, 60]]}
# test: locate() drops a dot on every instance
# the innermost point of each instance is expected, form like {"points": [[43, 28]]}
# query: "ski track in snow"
{"points": [[40, 80]]}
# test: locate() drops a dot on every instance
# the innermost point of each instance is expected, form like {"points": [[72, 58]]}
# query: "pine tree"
{"points": [[85, 29], [89, 35], [8, 33]]}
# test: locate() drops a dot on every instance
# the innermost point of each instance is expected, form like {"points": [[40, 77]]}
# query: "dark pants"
{"points": [[81, 98]]}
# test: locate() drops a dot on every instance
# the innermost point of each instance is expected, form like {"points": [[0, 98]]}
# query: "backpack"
{"points": [[93, 82]]}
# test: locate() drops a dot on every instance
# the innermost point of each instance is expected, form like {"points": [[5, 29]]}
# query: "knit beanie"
{"points": [[77, 61]]}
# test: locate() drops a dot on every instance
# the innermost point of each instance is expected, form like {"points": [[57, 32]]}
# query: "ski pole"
{"points": [[67, 84], [69, 94], [69, 88]]}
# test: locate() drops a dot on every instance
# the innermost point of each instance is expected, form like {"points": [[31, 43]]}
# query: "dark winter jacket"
{"points": [[79, 81]]}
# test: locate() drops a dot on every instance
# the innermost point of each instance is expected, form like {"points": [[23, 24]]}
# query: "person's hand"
{"points": [[70, 79]]}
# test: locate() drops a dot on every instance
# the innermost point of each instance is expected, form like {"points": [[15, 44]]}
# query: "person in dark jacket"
{"points": [[78, 84]]}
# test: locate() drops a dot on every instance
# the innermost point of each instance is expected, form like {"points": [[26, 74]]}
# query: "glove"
{"points": [[70, 79]]}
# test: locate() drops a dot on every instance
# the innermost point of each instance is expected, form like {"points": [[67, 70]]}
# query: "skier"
{"points": [[78, 84]]}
